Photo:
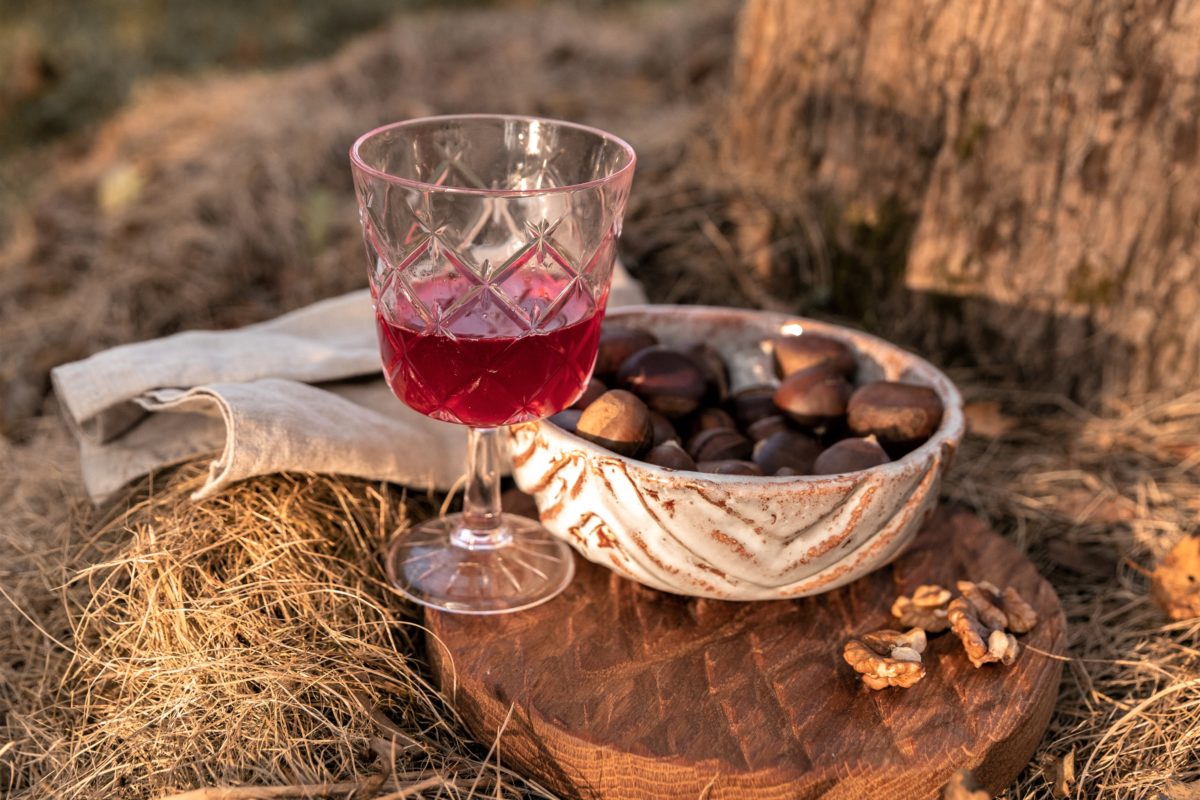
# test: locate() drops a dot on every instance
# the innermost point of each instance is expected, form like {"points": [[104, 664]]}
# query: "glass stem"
{"points": [[483, 525]]}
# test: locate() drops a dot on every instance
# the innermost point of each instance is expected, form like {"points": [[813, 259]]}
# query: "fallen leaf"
{"points": [[1175, 584], [963, 787], [1060, 774], [984, 418]]}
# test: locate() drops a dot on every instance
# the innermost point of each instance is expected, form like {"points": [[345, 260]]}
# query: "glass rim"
{"points": [[357, 161]]}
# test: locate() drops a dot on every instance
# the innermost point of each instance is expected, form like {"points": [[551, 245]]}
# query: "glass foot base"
{"points": [[430, 566]]}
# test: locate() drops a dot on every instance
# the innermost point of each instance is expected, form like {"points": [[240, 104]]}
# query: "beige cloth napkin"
{"points": [[302, 392]]}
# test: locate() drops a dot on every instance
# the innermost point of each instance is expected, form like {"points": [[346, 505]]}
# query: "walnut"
{"points": [[887, 658], [999, 610], [925, 609], [984, 643]]}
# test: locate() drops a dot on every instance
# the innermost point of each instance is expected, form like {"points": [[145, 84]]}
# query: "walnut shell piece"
{"points": [[887, 658], [984, 644], [998, 609], [926, 609]]}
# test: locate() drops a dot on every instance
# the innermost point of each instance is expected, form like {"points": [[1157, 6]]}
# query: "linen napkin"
{"points": [[303, 392]]}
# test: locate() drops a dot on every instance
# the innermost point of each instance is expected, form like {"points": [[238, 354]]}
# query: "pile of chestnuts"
{"points": [[672, 407]]}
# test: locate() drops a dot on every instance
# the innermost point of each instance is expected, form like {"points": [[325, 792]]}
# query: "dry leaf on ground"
{"points": [[984, 418], [963, 787], [1176, 580], [1060, 774]]}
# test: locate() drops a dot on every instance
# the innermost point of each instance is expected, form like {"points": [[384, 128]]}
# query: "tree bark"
{"points": [[1013, 181]]}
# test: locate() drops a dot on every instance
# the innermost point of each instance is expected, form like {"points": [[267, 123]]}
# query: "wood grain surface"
{"points": [[619, 691]]}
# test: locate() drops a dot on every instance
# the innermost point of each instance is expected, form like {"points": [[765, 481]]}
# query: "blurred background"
{"points": [[926, 172]]}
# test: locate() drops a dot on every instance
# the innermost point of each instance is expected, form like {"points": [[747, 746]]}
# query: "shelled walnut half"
{"points": [[887, 658], [927, 608], [998, 609], [984, 643]]}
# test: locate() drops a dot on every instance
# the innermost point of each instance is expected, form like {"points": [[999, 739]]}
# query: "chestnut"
{"points": [[786, 449], [669, 381], [712, 418], [753, 403], [714, 368], [766, 426], [786, 472], [729, 466], [664, 431], [813, 396], [715, 444], [567, 419], [619, 421], [895, 412], [794, 353], [671, 456], [850, 455], [593, 390], [618, 343]]}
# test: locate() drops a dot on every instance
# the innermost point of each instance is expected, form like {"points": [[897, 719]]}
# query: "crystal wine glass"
{"points": [[490, 241]]}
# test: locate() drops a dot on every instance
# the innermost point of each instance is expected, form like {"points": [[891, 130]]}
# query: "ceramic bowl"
{"points": [[734, 537]]}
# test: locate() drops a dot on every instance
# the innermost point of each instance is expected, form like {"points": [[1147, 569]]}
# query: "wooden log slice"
{"points": [[619, 691]]}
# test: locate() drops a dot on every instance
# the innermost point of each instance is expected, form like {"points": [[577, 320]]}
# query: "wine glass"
{"points": [[490, 241]]}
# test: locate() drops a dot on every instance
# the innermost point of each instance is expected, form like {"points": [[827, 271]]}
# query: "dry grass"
{"points": [[161, 646], [1095, 500], [250, 640]]}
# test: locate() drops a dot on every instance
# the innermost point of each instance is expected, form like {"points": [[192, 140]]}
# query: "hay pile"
{"points": [[159, 646], [246, 641]]}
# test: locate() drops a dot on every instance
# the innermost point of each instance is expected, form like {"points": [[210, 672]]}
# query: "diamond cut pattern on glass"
{"points": [[449, 285]]}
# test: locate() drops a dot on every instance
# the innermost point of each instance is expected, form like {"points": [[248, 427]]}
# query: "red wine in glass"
{"points": [[481, 366], [490, 242]]}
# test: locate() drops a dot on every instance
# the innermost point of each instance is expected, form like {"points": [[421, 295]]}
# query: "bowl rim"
{"points": [[949, 432]]}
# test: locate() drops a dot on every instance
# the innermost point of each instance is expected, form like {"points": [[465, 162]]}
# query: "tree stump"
{"points": [[614, 691], [1011, 180]]}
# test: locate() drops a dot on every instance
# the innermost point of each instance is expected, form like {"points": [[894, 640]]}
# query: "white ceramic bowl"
{"points": [[734, 537]]}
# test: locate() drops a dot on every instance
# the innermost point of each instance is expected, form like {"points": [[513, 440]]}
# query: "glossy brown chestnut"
{"points": [[729, 466], [668, 380], [618, 343], [766, 426], [786, 449], [895, 412], [715, 369], [671, 456], [850, 455], [716, 444], [712, 418], [813, 396], [794, 353], [664, 431], [619, 421], [753, 403]]}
